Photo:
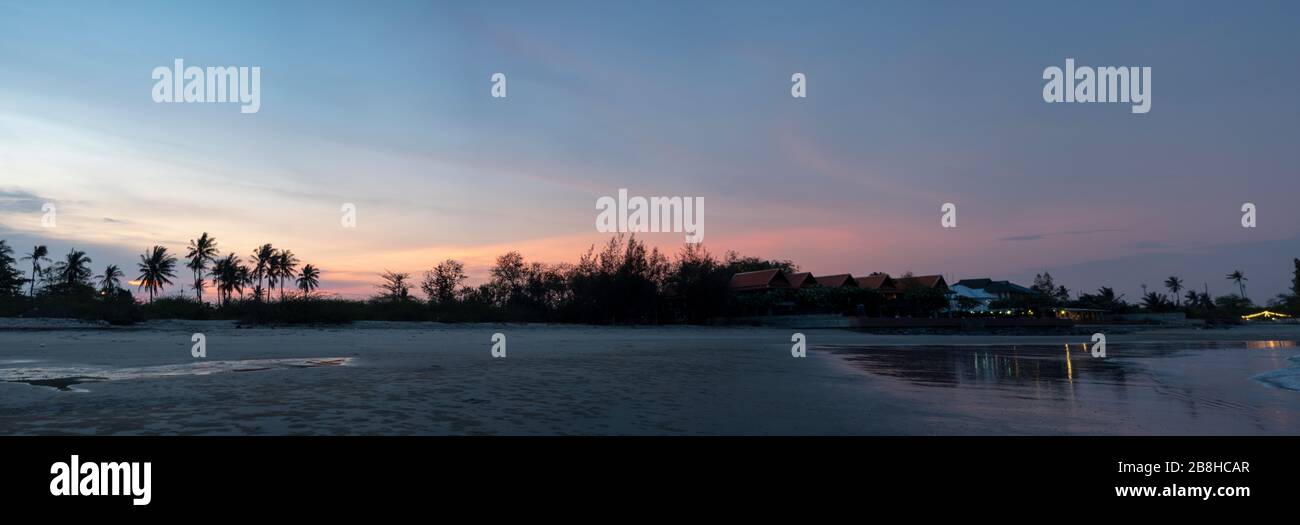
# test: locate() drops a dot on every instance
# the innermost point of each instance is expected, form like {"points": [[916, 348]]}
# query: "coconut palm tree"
{"points": [[73, 271], [220, 272], [309, 280], [1174, 284], [231, 275], [157, 267], [39, 253], [263, 259], [202, 251], [1237, 277], [110, 280], [286, 266]]}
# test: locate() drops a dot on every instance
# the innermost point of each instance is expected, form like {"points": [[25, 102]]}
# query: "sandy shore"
{"points": [[424, 378]]}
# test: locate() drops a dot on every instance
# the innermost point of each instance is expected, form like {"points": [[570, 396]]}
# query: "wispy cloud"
{"points": [[1041, 236]]}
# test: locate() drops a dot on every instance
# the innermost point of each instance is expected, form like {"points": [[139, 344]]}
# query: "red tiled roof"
{"points": [[800, 280], [876, 281], [759, 280], [923, 281], [837, 281]]}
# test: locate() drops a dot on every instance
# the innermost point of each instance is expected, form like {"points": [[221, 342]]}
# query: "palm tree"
{"points": [[263, 257], [220, 271], [74, 270], [309, 280], [202, 250], [39, 253], [156, 269], [110, 280], [197, 266], [1237, 277], [286, 266], [243, 278], [1174, 284]]}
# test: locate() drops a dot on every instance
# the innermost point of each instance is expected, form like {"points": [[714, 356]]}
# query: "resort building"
{"points": [[880, 282], [759, 281], [984, 291], [842, 280], [801, 280], [921, 281]]}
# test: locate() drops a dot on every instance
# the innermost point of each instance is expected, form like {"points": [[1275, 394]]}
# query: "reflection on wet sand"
{"points": [[1010, 365], [1259, 345], [1168, 388]]}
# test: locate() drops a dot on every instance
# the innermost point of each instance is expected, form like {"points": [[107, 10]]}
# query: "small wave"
{"points": [[63, 378], [1286, 379]]}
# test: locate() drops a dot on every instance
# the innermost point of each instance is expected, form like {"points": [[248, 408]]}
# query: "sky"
{"points": [[910, 105]]}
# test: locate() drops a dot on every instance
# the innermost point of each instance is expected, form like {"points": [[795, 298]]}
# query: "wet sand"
{"points": [[417, 378]]}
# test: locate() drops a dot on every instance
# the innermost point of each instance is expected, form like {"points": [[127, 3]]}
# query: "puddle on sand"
{"points": [[64, 378]]}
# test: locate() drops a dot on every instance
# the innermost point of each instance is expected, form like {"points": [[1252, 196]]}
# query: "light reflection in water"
{"points": [[1069, 365], [1263, 345]]}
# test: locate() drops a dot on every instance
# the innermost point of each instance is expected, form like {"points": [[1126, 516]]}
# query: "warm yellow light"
{"points": [[1265, 314]]}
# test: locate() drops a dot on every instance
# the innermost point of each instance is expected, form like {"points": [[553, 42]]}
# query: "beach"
{"points": [[64, 377]]}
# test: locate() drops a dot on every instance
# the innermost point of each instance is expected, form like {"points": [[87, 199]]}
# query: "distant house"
{"points": [[998, 289], [984, 291], [801, 280], [759, 281], [921, 281], [880, 282], [842, 280]]}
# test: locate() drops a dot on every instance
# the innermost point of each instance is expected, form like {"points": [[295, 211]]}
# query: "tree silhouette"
{"points": [[11, 279], [110, 280], [263, 261], [202, 251], [1174, 284], [157, 268], [39, 253], [396, 286], [73, 271], [308, 280], [1239, 278], [286, 266]]}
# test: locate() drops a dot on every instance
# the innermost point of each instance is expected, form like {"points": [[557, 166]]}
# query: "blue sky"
{"points": [[911, 104]]}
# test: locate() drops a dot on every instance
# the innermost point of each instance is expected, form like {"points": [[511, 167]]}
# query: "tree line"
{"points": [[622, 282]]}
